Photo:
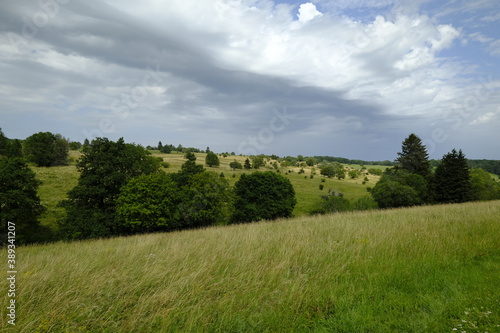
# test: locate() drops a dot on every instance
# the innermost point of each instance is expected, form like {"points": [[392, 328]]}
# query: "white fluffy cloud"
{"points": [[307, 12], [229, 62]]}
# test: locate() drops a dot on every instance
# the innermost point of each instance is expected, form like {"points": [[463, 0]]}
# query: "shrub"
{"points": [[393, 194], [365, 203], [263, 196], [46, 149], [149, 203], [332, 204]]}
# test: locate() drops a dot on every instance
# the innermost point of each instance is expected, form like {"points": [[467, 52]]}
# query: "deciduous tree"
{"points": [[105, 167], [263, 196]]}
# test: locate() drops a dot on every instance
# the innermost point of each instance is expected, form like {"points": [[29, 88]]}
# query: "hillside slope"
{"points": [[426, 269]]}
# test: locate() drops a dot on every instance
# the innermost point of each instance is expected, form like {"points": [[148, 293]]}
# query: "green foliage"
{"points": [[365, 203], [258, 161], [483, 186], [4, 143], [353, 174], [452, 179], [263, 196], [332, 204], [205, 200], [492, 166], [376, 172], [74, 145], [247, 165], [212, 160], [310, 161], [327, 170], [414, 157], [390, 194], [105, 167], [235, 165], [19, 201], [149, 203], [46, 149], [340, 172]]}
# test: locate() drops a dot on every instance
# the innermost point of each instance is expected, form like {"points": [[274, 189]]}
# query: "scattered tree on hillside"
{"points": [[263, 196], [258, 161], [452, 179], [235, 165], [46, 149], [327, 170], [483, 186], [211, 159], [247, 165], [389, 194], [414, 157], [404, 189], [19, 201], [340, 172], [310, 161], [160, 146], [105, 167]]}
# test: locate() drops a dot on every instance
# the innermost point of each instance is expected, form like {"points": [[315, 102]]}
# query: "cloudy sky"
{"points": [[348, 78]]}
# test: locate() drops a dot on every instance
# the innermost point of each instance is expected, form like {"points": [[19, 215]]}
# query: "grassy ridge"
{"points": [[57, 181], [426, 269]]}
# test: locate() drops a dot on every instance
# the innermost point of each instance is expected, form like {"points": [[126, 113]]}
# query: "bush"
{"points": [[365, 203], [332, 204], [235, 165], [376, 172], [205, 200], [46, 149], [393, 194], [212, 160], [263, 196], [149, 203]]}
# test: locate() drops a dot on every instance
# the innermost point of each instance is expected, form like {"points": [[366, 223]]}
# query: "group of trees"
{"points": [[122, 191], [44, 149], [413, 181]]}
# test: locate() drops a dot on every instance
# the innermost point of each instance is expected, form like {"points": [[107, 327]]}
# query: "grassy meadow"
{"points": [[57, 181], [424, 269]]}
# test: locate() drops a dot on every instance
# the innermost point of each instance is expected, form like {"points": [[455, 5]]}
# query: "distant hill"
{"points": [[349, 161]]}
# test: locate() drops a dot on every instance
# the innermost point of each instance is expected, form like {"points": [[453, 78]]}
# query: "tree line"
{"points": [[123, 190]]}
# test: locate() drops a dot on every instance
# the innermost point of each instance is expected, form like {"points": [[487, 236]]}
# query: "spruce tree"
{"points": [[247, 164], [414, 157], [452, 179]]}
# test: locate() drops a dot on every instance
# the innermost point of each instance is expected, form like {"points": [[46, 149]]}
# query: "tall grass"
{"points": [[426, 269]]}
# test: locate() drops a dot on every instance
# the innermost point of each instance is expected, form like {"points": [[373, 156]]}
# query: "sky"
{"points": [[346, 78]]}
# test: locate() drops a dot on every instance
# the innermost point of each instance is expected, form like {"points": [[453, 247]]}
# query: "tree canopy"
{"points": [[263, 196], [414, 157], [46, 149], [19, 201], [105, 167], [452, 179]]}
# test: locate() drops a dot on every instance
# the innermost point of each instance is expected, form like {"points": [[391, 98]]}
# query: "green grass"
{"points": [[425, 269], [57, 181]]}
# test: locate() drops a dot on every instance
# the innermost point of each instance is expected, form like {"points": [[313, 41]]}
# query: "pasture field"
{"points": [[57, 181], [423, 269]]}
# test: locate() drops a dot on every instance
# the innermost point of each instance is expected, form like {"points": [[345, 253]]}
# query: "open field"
{"points": [[57, 181], [425, 269]]}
